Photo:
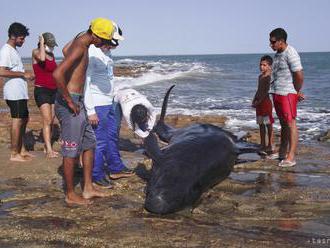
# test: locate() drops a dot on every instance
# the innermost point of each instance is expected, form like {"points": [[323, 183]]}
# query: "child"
{"points": [[263, 105]]}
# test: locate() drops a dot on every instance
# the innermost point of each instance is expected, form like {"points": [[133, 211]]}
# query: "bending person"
{"points": [[138, 112]]}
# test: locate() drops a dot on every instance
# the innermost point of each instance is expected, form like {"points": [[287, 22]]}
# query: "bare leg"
{"points": [[24, 152], [293, 140], [16, 140], [262, 130], [71, 196], [89, 191], [48, 117], [285, 135], [270, 137]]}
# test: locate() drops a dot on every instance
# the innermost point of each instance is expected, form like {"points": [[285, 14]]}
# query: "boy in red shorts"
{"points": [[263, 105]]}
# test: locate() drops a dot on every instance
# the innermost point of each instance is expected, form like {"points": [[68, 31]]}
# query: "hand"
{"points": [[41, 40], [28, 75], [93, 119], [255, 103], [301, 96], [74, 107]]}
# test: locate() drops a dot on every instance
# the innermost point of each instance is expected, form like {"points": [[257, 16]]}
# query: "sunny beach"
{"points": [[257, 204]]}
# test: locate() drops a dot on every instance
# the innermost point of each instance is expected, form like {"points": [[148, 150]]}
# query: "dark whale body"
{"points": [[196, 158]]}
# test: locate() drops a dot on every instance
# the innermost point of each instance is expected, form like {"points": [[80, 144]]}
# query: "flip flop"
{"points": [[262, 153], [287, 163], [273, 156]]}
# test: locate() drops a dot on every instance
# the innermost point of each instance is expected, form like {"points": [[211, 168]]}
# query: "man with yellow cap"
{"points": [[77, 136]]}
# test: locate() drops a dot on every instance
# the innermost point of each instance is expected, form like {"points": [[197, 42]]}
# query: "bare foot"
{"points": [[77, 200], [27, 154], [18, 158], [88, 194]]}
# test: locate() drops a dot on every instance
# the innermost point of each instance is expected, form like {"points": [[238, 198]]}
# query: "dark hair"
{"points": [[139, 116], [279, 34], [104, 41], [267, 58], [17, 29]]}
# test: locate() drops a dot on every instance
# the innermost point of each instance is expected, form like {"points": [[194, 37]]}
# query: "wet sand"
{"points": [[259, 205]]}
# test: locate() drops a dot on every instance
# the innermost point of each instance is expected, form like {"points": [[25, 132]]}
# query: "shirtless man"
{"points": [[76, 133]]}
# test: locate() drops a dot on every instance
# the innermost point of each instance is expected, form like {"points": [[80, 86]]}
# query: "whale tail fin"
{"points": [[164, 131]]}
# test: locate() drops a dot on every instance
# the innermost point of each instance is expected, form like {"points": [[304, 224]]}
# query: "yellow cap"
{"points": [[103, 28]]}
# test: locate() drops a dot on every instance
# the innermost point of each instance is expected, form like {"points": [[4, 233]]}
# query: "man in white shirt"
{"points": [[138, 112], [15, 89], [98, 100], [287, 82]]}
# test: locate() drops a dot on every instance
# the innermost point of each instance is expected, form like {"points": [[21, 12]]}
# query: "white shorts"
{"points": [[263, 120]]}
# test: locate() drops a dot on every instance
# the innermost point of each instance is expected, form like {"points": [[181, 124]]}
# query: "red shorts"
{"points": [[286, 107], [265, 109]]}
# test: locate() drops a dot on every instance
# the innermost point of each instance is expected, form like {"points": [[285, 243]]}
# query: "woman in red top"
{"points": [[43, 62]]}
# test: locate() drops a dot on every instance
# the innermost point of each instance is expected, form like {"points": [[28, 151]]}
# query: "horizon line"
{"points": [[196, 54]]}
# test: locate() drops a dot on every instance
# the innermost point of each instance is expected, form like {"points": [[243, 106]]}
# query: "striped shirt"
{"points": [[285, 63]]}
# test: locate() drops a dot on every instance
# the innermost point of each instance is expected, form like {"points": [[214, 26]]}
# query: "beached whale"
{"points": [[196, 158]]}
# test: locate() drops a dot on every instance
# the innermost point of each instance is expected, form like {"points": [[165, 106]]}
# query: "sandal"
{"points": [[273, 156], [287, 163]]}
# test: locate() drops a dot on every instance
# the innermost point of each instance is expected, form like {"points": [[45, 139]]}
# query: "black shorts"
{"points": [[44, 95], [18, 108]]}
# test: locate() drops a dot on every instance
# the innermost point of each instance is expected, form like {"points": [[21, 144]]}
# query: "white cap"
{"points": [[117, 35]]}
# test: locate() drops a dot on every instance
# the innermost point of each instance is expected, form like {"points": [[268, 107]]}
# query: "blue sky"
{"points": [[158, 27]]}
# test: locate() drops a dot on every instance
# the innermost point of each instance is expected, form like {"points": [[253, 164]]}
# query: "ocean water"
{"points": [[225, 85]]}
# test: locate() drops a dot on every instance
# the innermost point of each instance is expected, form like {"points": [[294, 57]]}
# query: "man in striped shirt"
{"points": [[287, 82]]}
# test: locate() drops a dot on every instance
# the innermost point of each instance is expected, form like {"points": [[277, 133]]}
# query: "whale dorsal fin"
{"points": [[163, 130]]}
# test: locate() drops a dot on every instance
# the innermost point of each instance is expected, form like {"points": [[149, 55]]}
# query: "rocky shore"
{"points": [[259, 204]]}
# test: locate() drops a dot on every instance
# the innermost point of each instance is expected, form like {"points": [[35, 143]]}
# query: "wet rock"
{"points": [[325, 137]]}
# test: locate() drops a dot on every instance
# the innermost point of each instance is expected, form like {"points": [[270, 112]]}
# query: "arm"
{"points": [[39, 55], [5, 72], [66, 48], [296, 69], [254, 101], [264, 88], [298, 80], [5, 65], [60, 75]]}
